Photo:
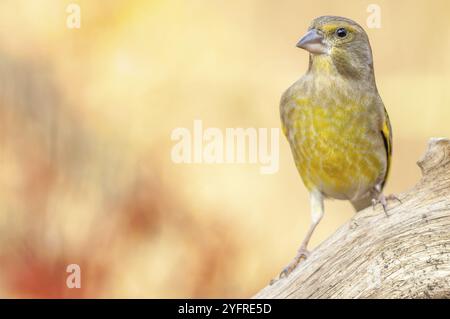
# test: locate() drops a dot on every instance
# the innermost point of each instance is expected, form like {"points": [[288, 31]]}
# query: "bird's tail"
{"points": [[362, 203]]}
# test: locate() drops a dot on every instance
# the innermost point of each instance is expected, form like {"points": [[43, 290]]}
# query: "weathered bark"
{"points": [[405, 255]]}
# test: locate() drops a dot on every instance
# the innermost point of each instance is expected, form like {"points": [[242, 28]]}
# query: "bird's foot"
{"points": [[383, 201], [302, 254]]}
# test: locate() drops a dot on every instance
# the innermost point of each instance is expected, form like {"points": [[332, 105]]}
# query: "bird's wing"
{"points": [[386, 133]]}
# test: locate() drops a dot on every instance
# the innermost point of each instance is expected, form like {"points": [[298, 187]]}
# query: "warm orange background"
{"points": [[85, 123]]}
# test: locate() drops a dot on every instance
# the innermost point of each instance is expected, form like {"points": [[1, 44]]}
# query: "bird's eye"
{"points": [[341, 32]]}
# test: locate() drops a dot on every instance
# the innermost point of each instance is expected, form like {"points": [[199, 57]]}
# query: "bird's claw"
{"points": [[383, 201], [301, 255]]}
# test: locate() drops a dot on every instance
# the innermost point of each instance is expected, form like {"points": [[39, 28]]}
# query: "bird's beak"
{"points": [[312, 42]]}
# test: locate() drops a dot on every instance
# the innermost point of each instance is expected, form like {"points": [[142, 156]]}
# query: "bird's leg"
{"points": [[382, 199], [316, 200]]}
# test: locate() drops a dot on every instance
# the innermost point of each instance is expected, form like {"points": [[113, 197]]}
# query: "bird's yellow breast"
{"points": [[336, 147]]}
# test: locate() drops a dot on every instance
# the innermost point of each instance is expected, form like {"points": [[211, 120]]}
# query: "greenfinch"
{"points": [[335, 121]]}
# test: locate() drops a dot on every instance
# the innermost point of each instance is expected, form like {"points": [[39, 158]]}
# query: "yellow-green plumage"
{"points": [[336, 139]]}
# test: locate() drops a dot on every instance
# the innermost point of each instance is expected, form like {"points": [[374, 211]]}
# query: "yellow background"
{"points": [[85, 123]]}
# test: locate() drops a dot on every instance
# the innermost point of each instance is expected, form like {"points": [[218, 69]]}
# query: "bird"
{"points": [[336, 123]]}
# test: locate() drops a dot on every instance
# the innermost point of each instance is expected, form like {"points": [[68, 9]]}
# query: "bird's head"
{"points": [[341, 41]]}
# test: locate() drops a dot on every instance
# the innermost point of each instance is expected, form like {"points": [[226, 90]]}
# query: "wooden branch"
{"points": [[405, 255]]}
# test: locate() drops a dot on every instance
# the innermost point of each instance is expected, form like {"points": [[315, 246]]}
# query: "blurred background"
{"points": [[86, 117]]}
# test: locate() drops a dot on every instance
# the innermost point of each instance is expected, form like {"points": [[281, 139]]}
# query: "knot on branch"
{"points": [[437, 156]]}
